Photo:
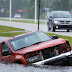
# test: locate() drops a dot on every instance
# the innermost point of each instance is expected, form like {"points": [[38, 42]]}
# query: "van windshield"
{"points": [[61, 15]]}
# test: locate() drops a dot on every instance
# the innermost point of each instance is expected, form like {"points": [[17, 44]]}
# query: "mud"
{"points": [[41, 68]]}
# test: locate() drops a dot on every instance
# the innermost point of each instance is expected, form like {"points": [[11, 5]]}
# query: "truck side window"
{"points": [[5, 49]]}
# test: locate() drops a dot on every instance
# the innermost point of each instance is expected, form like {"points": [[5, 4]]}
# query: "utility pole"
{"points": [[47, 3], [10, 10], [38, 13], [35, 11]]}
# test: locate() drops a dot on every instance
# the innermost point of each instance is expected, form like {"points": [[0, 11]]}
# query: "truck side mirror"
{"points": [[55, 37]]}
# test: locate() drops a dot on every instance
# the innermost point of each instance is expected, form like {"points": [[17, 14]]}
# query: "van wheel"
{"points": [[49, 26], [68, 30], [52, 28]]}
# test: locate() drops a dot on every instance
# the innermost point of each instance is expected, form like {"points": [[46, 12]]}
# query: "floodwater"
{"points": [[41, 68]]}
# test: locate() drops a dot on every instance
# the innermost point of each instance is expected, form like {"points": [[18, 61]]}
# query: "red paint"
{"points": [[0, 52]]}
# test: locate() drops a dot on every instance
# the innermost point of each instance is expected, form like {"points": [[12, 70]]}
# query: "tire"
{"points": [[48, 24], [52, 28], [49, 28], [68, 30]]}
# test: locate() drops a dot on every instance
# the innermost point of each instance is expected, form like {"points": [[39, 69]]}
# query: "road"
{"points": [[33, 27]]}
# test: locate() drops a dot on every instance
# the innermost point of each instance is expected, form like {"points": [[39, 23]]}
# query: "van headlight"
{"points": [[56, 22]]}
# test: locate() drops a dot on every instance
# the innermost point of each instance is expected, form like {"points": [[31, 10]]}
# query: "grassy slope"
{"points": [[25, 21], [6, 29], [63, 37], [10, 34]]}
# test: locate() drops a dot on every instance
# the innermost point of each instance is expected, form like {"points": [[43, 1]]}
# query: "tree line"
{"points": [[29, 6]]}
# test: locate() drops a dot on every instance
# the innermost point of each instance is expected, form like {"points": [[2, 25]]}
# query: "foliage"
{"points": [[61, 5], [29, 6]]}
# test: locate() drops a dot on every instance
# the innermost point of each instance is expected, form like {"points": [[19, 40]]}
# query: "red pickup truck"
{"points": [[35, 48]]}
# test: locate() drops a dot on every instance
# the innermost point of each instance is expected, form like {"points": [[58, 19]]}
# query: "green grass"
{"points": [[29, 21], [25, 21], [4, 19], [6, 29], [11, 34], [63, 37]]}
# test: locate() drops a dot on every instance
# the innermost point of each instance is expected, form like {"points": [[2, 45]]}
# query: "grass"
{"points": [[6, 29], [29, 21], [63, 37], [25, 21], [10, 34]]}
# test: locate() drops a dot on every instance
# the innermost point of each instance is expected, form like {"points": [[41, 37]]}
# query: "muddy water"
{"points": [[41, 68]]}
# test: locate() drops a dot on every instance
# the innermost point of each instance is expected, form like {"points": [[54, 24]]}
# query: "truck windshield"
{"points": [[28, 40]]}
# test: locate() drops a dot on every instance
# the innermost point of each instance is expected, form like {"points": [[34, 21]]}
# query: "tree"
{"points": [[19, 4], [61, 5], [31, 9], [65, 4]]}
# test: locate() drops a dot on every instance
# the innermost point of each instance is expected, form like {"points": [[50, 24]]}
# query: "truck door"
{"points": [[6, 53], [0, 51]]}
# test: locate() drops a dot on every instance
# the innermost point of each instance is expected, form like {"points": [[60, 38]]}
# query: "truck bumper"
{"points": [[63, 26], [57, 60]]}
